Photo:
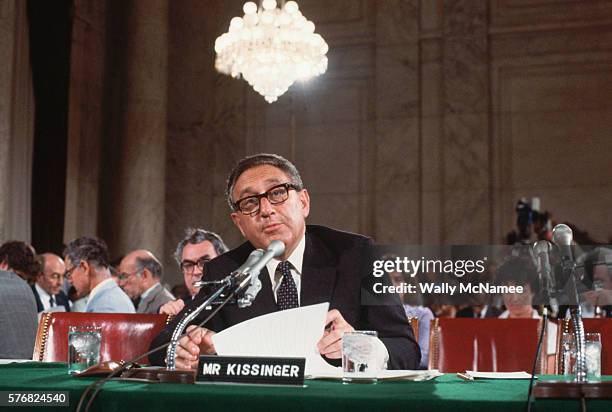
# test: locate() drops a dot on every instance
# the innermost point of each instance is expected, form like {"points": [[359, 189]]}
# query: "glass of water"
{"points": [[593, 356], [568, 354], [83, 347], [359, 357]]}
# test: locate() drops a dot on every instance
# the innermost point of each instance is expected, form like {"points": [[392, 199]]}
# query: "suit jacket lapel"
{"points": [[318, 273]]}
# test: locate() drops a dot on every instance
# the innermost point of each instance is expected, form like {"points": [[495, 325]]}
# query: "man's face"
{"points": [[129, 280], [79, 278], [52, 276], [192, 254], [283, 221]]}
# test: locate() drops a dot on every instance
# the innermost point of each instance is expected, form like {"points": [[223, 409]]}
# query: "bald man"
{"points": [[140, 275], [48, 287]]}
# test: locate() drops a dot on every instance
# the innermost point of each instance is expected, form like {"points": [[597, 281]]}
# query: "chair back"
{"points": [[124, 335], [414, 323], [603, 326], [486, 345]]}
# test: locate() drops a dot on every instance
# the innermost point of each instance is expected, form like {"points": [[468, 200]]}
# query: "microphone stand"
{"points": [[232, 280], [576, 316]]}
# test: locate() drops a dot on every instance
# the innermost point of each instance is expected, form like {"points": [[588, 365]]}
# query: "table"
{"points": [[446, 393]]}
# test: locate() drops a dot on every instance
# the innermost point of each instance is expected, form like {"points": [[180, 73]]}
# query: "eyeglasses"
{"points": [[188, 266], [68, 273], [124, 276], [278, 194]]}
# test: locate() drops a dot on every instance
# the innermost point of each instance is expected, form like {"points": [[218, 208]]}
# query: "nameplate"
{"points": [[250, 369]]}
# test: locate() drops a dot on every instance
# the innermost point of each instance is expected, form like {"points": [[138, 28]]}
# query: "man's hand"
{"points": [[330, 345], [172, 307], [198, 340]]}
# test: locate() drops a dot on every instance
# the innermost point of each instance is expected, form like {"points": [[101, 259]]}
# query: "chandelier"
{"points": [[271, 48]]}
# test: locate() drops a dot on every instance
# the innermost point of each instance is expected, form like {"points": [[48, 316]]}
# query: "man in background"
{"points": [[87, 268], [140, 274], [18, 318], [20, 258], [48, 287], [198, 247]]}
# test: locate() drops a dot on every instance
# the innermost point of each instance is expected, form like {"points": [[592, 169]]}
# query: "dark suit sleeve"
{"points": [[385, 314]]}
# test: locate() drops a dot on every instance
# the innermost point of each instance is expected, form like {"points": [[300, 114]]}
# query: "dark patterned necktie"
{"points": [[286, 296], [51, 302]]}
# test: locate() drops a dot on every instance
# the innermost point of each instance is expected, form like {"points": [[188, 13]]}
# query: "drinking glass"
{"points": [[359, 357], [83, 347]]}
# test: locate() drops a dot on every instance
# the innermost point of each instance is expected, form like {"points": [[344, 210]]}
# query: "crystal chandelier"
{"points": [[271, 48]]}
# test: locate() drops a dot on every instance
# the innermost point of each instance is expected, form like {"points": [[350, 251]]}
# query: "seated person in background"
{"points": [[413, 306], [87, 269], [140, 276], [192, 252], [18, 315], [269, 202], [598, 269], [20, 258], [522, 272], [48, 287]]}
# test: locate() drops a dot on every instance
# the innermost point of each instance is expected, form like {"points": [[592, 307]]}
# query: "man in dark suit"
{"points": [[48, 287], [269, 202]]}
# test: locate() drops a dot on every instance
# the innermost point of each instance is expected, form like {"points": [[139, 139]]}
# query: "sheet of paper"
{"points": [[410, 375], [9, 361], [498, 375], [287, 333]]}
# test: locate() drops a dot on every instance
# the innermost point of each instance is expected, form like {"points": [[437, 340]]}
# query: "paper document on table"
{"points": [[392, 375], [286, 333], [497, 375]]}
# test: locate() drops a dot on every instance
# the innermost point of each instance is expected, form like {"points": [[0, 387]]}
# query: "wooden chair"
{"points": [[488, 345], [124, 336], [414, 323], [600, 325]]}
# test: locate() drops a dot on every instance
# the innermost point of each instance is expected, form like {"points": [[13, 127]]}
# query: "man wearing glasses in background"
{"points": [[140, 274], [48, 287], [87, 268], [269, 202], [198, 247]]}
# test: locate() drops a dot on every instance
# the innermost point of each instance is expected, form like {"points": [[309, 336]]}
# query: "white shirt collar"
{"points": [[43, 295], [98, 287], [296, 259]]}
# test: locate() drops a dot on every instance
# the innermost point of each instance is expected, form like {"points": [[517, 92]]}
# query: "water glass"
{"points": [[360, 363], [83, 347], [568, 354], [593, 356]]}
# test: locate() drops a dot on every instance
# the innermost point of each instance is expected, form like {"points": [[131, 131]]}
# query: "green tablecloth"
{"points": [[446, 393]]}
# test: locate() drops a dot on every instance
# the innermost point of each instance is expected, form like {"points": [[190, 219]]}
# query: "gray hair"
{"points": [[90, 249], [261, 159], [151, 264], [193, 236]]}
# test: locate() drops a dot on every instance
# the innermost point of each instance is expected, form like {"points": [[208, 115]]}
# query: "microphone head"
{"points": [[541, 246], [277, 247], [562, 235]]}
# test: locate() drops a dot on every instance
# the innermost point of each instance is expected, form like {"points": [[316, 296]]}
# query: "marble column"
{"points": [[136, 205], [16, 122]]}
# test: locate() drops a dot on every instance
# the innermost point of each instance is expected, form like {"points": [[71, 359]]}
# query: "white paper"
{"points": [[9, 361], [411, 375], [498, 375], [286, 333]]}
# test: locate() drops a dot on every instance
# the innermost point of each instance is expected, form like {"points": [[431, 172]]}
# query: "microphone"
{"points": [[541, 250], [246, 266], [562, 237], [275, 249]]}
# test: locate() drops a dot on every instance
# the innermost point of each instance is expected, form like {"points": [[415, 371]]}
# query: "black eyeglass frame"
{"points": [[199, 263], [266, 194]]}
